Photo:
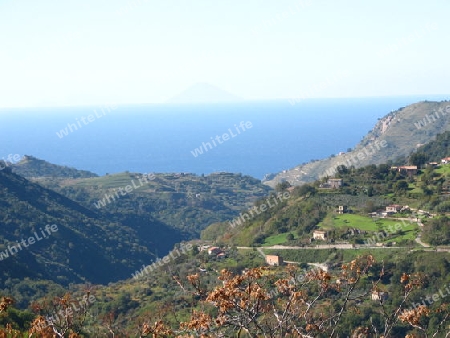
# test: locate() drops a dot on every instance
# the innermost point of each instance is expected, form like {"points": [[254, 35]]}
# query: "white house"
{"points": [[393, 208], [320, 234]]}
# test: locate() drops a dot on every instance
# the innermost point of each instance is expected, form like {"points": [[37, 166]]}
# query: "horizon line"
{"points": [[241, 101]]}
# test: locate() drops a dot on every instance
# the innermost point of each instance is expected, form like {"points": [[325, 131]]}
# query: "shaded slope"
{"points": [[86, 246]]}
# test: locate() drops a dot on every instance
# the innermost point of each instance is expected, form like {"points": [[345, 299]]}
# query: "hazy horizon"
{"points": [[142, 52], [414, 99]]}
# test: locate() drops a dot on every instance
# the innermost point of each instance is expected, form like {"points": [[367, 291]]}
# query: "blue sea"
{"points": [[163, 138]]}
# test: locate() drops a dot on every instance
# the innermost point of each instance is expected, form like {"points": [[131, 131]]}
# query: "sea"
{"points": [[264, 137]]}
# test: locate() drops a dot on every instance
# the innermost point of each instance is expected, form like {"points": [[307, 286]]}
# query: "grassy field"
{"points": [[443, 169], [361, 223], [277, 239], [413, 189], [407, 231]]}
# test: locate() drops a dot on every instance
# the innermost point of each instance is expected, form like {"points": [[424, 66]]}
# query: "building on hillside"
{"points": [[320, 234], [332, 183], [274, 260], [380, 296], [342, 209], [432, 164], [393, 208], [445, 160], [335, 183], [409, 170]]}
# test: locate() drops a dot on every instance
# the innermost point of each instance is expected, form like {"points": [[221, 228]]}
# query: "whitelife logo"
{"points": [[72, 127], [256, 210], [392, 229], [13, 249], [10, 160], [124, 191], [353, 159], [433, 117], [205, 146], [174, 254], [63, 314]]}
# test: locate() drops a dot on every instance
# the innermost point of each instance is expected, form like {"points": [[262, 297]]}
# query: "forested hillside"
{"points": [[82, 245]]}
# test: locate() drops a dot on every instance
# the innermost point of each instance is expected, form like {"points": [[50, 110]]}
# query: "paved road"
{"points": [[261, 252], [323, 246], [425, 245]]}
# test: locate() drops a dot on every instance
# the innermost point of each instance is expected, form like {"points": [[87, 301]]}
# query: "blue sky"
{"points": [[97, 52]]}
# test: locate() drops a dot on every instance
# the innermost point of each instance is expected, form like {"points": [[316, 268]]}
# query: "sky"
{"points": [[99, 52]]}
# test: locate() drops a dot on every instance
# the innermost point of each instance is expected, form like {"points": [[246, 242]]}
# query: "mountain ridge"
{"points": [[30, 166]]}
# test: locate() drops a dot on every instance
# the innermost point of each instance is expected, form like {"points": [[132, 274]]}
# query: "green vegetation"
{"points": [[279, 239], [393, 230], [108, 244], [443, 170], [436, 231], [365, 190], [86, 244], [335, 256], [435, 150], [186, 203], [357, 222]]}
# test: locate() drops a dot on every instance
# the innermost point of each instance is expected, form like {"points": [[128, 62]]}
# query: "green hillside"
{"points": [[365, 192], [164, 295], [188, 203], [109, 243], [364, 249], [85, 247]]}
